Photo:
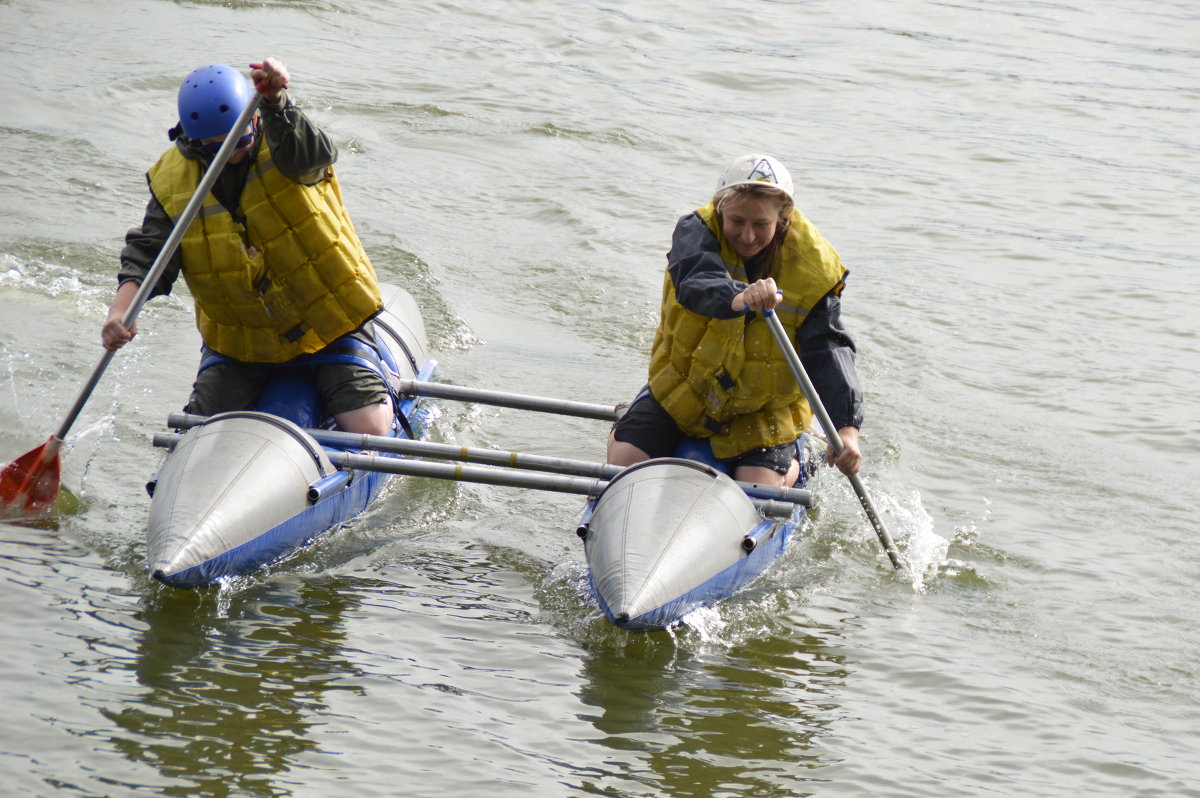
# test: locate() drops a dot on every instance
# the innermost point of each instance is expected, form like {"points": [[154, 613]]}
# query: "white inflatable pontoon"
{"points": [[244, 489]]}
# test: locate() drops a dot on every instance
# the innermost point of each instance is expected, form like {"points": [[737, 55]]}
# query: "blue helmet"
{"points": [[211, 99]]}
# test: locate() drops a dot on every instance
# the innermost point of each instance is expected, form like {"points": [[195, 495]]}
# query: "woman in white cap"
{"points": [[716, 372]]}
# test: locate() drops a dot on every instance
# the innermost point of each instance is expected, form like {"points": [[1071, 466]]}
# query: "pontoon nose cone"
{"points": [[660, 535], [227, 485]]}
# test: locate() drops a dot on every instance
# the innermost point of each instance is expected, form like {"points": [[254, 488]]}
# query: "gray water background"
{"points": [[1014, 187]]}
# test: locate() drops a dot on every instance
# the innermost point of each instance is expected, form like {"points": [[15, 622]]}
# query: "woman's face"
{"points": [[749, 223]]}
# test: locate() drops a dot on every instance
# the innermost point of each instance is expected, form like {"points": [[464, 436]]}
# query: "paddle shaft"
{"points": [[164, 257], [835, 440], [533, 462], [515, 400]]}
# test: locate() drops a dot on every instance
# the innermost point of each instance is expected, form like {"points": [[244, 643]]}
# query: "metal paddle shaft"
{"points": [[835, 440], [164, 257]]}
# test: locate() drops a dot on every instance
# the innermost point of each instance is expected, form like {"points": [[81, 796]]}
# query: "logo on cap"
{"points": [[763, 173]]}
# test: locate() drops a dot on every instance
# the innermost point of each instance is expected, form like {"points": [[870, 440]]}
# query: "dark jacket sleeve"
{"points": [[828, 352], [299, 149], [702, 283], [142, 245]]}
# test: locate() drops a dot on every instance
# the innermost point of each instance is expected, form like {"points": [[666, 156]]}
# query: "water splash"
{"points": [[565, 595], [53, 274], [926, 553], [922, 548], [706, 622], [51, 279]]}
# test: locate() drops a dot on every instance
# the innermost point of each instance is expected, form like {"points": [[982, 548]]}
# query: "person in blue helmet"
{"points": [[716, 372], [275, 268]]}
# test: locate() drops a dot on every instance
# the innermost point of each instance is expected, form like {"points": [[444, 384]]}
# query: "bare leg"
{"points": [[766, 476], [373, 419], [624, 454]]}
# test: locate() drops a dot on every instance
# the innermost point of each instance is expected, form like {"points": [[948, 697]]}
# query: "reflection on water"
{"points": [[232, 683], [709, 720], [709, 708]]}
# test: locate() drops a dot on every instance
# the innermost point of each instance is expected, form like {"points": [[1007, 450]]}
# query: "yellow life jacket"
{"points": [[726, 379], [288, 281]]}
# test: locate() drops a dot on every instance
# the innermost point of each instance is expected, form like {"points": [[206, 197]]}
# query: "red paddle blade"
{"points": [[29, 484]]}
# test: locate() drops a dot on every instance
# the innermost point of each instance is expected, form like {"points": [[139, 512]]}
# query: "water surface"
{"points": [[1013, 187]]}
